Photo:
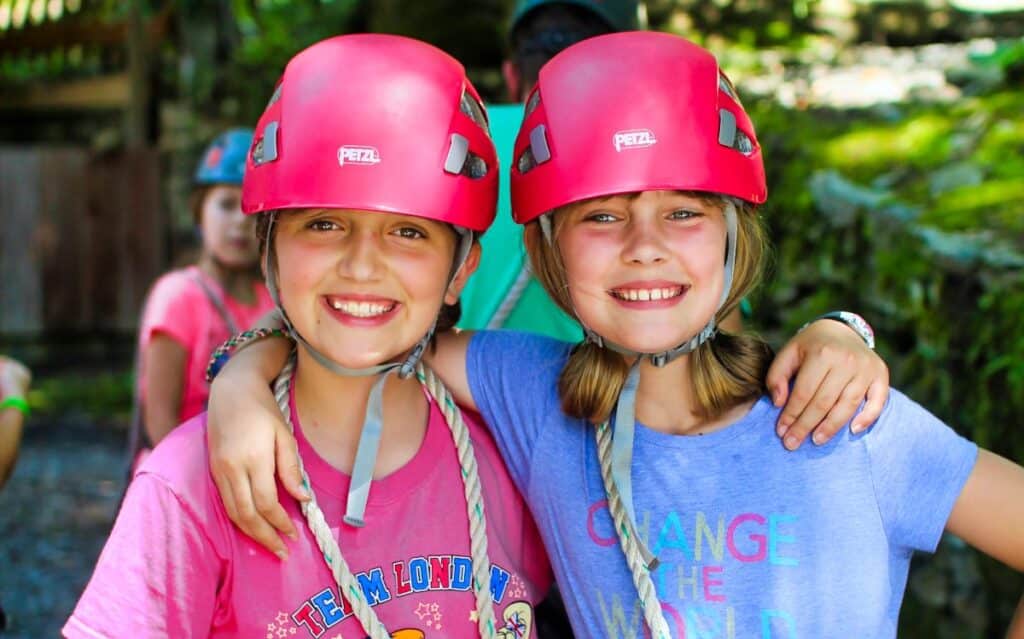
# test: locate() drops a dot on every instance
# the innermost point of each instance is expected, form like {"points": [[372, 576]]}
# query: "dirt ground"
{"points": [[55, 514]]}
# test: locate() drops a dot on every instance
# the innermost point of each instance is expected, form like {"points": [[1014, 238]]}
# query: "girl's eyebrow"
{"points": [[628, 196]]}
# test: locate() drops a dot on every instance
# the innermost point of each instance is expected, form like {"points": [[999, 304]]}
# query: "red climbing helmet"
{"points": [[375, 122], [630, 112]]}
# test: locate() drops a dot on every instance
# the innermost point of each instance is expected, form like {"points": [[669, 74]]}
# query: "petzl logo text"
{"points": [[635, 139], [351, 154]]}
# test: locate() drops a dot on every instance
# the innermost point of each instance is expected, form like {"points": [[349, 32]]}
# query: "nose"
{"points": [[643, 242], [360, 256]]}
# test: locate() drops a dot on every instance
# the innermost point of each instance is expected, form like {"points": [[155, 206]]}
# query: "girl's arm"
{"points": [[1016, 630], [989, 513], [247, 435], [835, 372], [14, 382], [248, 439], [164, 361]]}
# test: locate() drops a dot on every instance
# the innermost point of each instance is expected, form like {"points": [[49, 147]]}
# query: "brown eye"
{"points": [[322, 225], [410, 233]]}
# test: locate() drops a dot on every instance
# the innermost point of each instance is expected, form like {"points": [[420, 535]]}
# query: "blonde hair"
{"points": [[726, 370]]}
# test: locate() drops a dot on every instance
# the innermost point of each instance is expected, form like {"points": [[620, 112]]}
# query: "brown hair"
{"points": [[447, 317], [195, 202], [725, 370]]}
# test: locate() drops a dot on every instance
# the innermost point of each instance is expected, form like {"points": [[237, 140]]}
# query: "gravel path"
{"points": [[55, 514]]}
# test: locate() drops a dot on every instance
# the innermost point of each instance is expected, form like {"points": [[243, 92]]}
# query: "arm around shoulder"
{"points": [[448, 360]]}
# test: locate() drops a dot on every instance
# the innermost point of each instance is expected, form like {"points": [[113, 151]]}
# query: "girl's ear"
{"points": [[468, 268]]}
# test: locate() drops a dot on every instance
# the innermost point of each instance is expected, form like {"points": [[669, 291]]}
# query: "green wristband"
{"points": [[15, 402]]}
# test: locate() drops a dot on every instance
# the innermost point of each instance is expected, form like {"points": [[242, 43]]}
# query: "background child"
{"points": [[369, 194], [191, 310], [14, 383]]}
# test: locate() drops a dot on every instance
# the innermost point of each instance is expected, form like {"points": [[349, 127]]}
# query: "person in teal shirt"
{"points": [[504, 294]]}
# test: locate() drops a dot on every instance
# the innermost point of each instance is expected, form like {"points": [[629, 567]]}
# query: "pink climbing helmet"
{"points": [[375, 122], [628, 112]]}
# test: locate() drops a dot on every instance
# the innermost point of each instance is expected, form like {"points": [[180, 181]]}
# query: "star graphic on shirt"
{"points": [[281, 617], [423, 610], [282, 633], [473, 616]]}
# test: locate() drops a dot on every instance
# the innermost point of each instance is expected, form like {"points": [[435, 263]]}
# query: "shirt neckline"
{"points": [[328, 480]]}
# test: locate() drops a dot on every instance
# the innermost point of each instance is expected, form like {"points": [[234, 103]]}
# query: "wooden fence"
{"points": [[82, 236]]}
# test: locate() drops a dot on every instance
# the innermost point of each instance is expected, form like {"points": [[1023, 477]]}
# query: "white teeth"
{"points": [[647, 294], [361, 309]]}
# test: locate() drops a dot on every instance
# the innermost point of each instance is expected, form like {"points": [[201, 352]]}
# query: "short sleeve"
{"points": [[171, 309], [919, 467], [157, 576], [514, 381]]}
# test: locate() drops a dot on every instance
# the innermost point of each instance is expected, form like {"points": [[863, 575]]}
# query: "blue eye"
{"points": [[602, 217], [684, 214]]}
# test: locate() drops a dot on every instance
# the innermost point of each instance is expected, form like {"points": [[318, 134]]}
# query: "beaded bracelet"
{"points": [[222, 353], [15, 402]]}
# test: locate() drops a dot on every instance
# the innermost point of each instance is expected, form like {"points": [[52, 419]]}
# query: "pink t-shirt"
{"points": [[178, 307], [175, 566]]}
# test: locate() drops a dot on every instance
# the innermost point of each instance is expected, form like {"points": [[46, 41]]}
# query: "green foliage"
{"points": [[921, 229], [99, 397]]}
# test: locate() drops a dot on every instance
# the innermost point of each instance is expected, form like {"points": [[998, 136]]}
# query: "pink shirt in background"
{"points": [[178, 307], [175, 566]]}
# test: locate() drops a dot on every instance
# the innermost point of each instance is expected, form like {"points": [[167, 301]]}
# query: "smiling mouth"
{"points": [[647, 294], [362, 309]]}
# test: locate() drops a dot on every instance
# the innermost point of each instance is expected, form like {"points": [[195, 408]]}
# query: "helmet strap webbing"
{"points": [[373, 421], [348, 585], [617, 455]]}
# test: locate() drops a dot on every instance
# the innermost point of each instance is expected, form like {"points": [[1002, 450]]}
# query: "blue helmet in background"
{"points": [[224, 160]]}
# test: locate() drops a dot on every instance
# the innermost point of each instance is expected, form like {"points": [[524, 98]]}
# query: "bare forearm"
{"points": [[159, 422], [1016, 630], [11, 424]]}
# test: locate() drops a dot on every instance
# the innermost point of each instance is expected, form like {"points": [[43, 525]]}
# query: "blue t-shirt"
{"points": [[754, 541]]}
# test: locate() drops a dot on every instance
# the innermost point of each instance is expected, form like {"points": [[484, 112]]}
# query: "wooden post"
{"points": [[136, 126]]}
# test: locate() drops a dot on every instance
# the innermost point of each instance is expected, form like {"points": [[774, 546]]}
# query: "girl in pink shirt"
{"points": [[370, 177], [191, 310]]}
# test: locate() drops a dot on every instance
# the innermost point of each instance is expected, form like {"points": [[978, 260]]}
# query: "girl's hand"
{"points": [[14, 378], [1016, 630], [835, 372], [248, 439]]}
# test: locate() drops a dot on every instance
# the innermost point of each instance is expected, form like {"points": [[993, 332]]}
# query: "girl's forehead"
{"points": [[360, 215], [625, 199]]}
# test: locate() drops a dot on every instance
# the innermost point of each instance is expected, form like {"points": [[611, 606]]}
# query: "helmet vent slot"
{"points": [[472, 108]]}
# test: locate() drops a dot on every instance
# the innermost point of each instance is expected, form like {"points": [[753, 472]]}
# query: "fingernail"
{"points": [[781, 429], [791, 442], [282, 555], [294, 536], [856, 428], [818, 438]]}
